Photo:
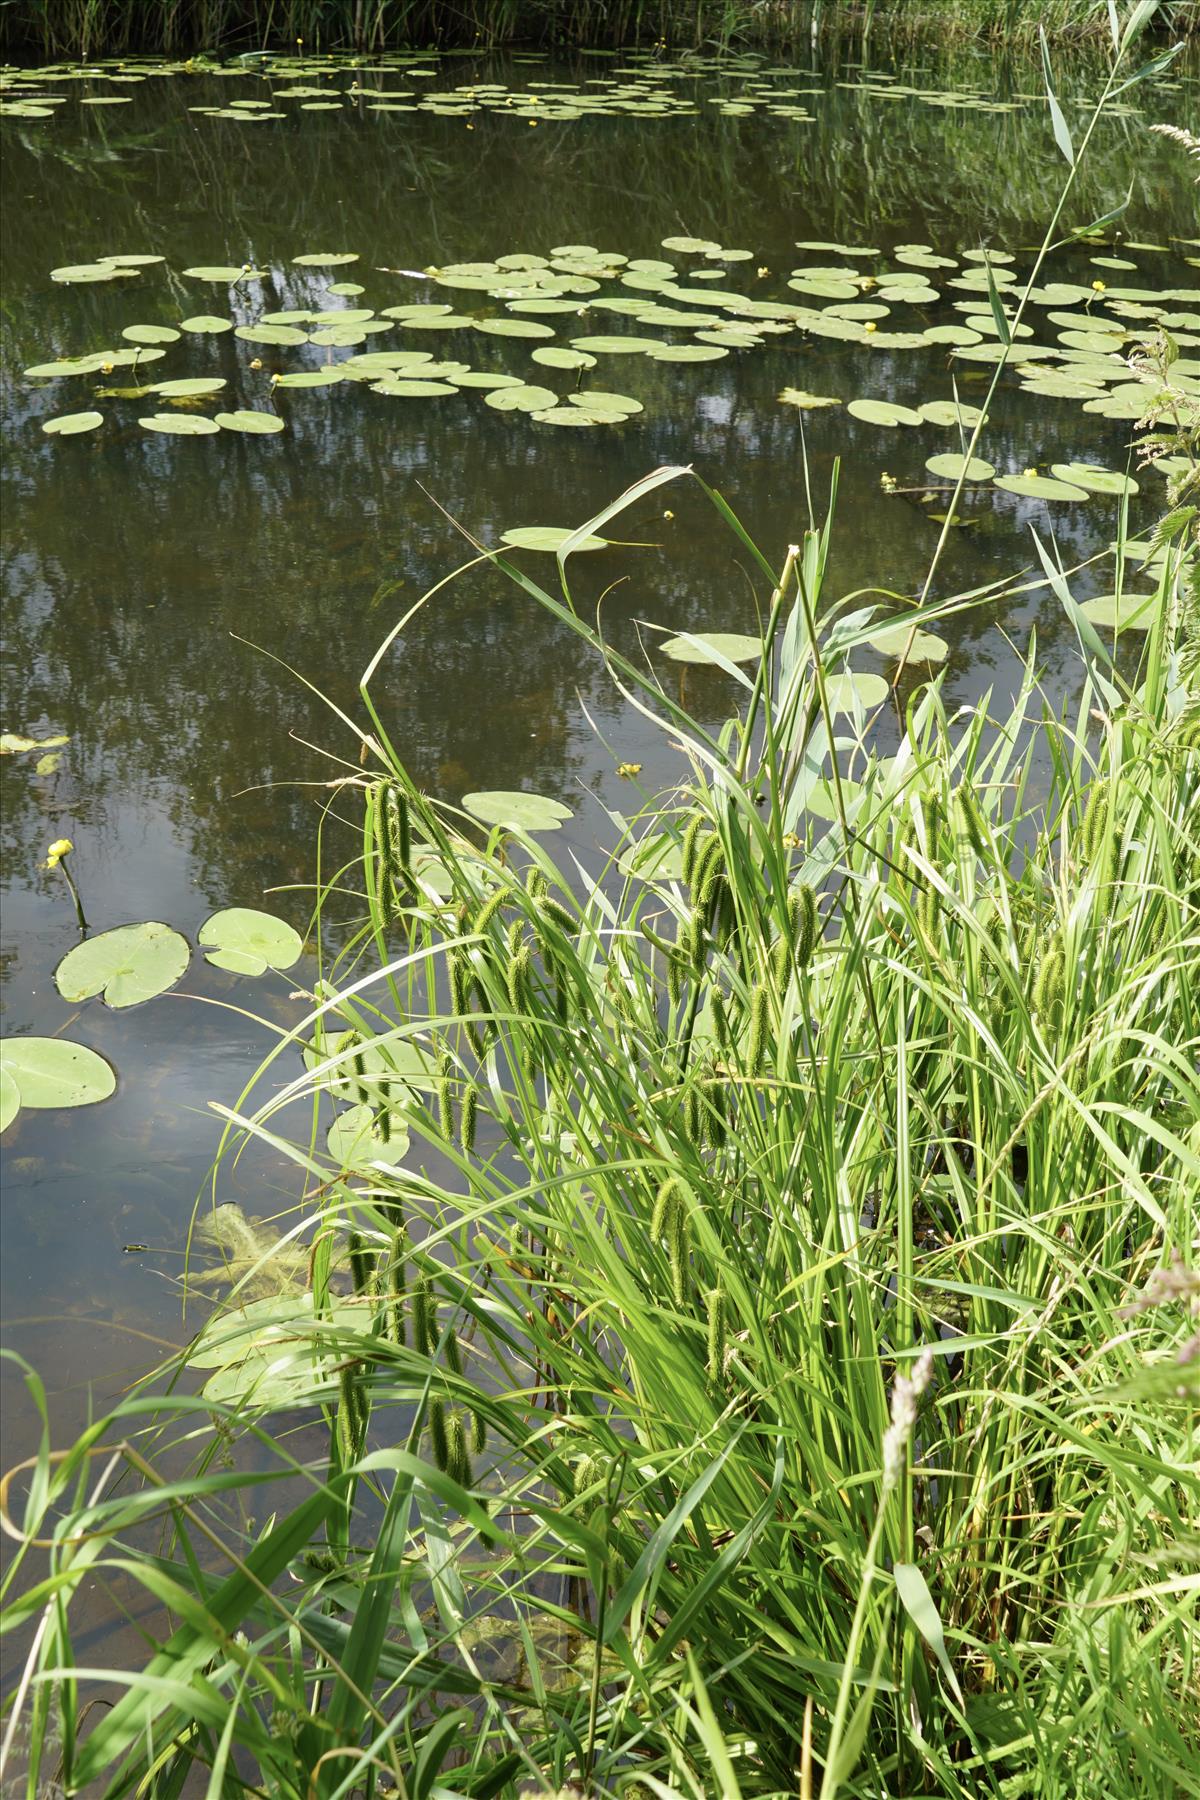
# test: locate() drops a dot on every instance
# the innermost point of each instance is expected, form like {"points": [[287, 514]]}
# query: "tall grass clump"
{"points": [[772, 1366]]}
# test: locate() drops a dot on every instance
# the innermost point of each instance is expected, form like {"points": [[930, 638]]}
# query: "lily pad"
{"points": [[926, 646], [354, 1140], [225, 272], [150, 334], [950, 412], [1126, 611], [326, 259], [1095, 479], [68, 424], [206, 322], [516, 811], [846, 692], [190, 387], [128, 965], [42, 1072], [557, 356], [249, 942], [179, 424], [247, 419], [807, 402], [883, 412], [950, 467], [520, 399], [707, 646], [550, 538], [1039, 487]]}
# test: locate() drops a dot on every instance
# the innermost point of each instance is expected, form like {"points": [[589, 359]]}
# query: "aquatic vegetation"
{"points": [[50, 1072]]}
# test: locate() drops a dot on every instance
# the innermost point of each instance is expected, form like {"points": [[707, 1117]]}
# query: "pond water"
{"points": [[148, 574]]}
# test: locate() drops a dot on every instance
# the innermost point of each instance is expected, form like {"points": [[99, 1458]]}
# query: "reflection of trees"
{"points": [[133, 560]]}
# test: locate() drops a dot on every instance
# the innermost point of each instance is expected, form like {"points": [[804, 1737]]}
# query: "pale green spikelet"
{"points": [[467, 1117], [691, 942], [559, 915], [929, 908], [518, 978], [347, 1418], [536, 884], [491, 906], [360, 1262], [679, 1234], [445, 1097], [458, 973], [693, 1115], [802, 913], [585, 1474], [1049, 986], [452, 1353], [690, 848], [705, 864], [716, 1334], [383, 1124], [1095, 818], [478, 1432], [438, 1437], [458, 1461], [663, 1201], [396, 1289], [424, 1319], [675, 968], [515, 936], [756, 1044], [720, 1020], [715, 1121], [968, 823]]}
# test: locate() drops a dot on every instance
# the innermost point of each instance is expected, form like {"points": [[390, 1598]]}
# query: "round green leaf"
{"points": [[522, 328], [54, 1072], [354, 1140], [556, 356], [1088, 475], [180, 424], [950, 466], [128, 965], [270, 334], [1128, 611], [10, 1096], [220, 272], [1039, 487], [516, 811], [947, 412], [520, 399], [326, 259], [68, 424], [189, 387], [249, 942], [845, 692], [204, 322], [257, 424], [706, 646], [550, 538], [883, 412], [926, 646]]}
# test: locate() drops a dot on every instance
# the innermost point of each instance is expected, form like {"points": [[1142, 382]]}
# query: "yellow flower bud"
{"points": [[59, 848]]}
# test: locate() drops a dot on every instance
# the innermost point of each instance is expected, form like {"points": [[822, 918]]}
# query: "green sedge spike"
{"points": [[445, 1098], [759, 1001], [1050, 981], [383, 1124], [716, 1334], [517, 978], [467, 1118], [720, 1019], [515, 936], [585, 1474], [360, 1267], [675, 966], [459, 975], [693, 1120], [453, 1353], [424, 1322], [438, 1440], [687, 854], [458, 1461], [802, 914], [347, 1421], [559, 915], [478, 1432], [490, 908], [678, 1246], [715, 1122], [663, 1201], [691, 942], [707, 861], [974, 823], [1094, 817], [536, 884]]}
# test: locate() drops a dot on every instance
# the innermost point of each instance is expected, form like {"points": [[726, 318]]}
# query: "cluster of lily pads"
{"points": [[126, 966], [675, 308], [637, 84]]}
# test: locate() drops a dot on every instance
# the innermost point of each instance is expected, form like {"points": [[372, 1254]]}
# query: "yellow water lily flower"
{"points": [[629, 770], [869, 327], [59, 848]]}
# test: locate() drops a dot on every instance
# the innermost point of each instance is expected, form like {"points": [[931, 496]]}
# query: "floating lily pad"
{"points": [[252, 422], [1126, 611], [225, 272], [1039, 487], [326, 259], [516, 811], [950, 412], [128, 965], [249, 942], [926, 646], [179, 424], [883, 412], [707, 646], [845, 692], [549, 538], [355, 1141], [69, 424], [190, 387], [150, 334], [557, 356], [206, 322], [520, 399], [82, 272], [950, 467], [270, 334], [43, 1072], [1094, 479]]}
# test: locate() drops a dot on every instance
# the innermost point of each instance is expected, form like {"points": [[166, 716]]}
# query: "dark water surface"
{"points": [[140, 569]]}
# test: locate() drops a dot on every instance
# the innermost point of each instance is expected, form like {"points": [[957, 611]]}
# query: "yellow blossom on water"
{"points": [[1099, 287], [790, 841], [629, 770], [1030, 472], [869, 326], [764, 271], [59, 848], [668, 514]]}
